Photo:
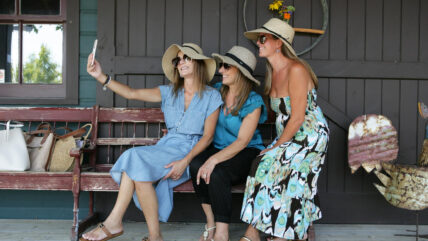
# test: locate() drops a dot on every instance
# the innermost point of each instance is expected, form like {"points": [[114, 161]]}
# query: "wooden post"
{"points": [[75, 188]]}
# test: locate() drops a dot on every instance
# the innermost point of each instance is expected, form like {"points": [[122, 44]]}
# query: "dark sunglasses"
{"points": [[175, 61], [263, 38], [224, 65]]}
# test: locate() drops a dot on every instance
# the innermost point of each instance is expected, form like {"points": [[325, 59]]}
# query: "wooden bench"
{"points": [[114, 130]]}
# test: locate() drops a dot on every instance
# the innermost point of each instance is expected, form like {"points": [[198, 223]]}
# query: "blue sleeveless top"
{"points": [[228, 126]]}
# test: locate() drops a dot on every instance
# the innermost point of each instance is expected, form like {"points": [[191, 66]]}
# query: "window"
{"points": [[39, 51]]}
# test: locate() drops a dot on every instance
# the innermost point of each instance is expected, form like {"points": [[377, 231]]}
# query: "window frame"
{"points": [[49, 94]]}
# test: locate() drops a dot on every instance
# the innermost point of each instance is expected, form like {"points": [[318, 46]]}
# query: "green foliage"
{"points": [[41, 69]]}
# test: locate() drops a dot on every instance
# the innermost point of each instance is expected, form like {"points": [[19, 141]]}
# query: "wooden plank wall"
{"points": [[373, 59]]}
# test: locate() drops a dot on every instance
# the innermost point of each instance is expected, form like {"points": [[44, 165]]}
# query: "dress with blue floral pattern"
{"points": [[280, 195]]}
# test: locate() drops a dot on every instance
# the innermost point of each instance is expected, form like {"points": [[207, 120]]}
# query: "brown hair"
{"points": [[287, 53], [244, 85], [199, 73]]}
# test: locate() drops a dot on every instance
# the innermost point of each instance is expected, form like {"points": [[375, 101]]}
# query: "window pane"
{"points": [[7, 6], [40, 7], [9, 50], [42, 53]]}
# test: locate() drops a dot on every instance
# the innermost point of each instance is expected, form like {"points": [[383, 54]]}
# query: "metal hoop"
{"points": [[324, 24]]}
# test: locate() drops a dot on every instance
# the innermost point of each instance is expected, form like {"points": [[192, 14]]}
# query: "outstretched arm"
{"points": [[149, 95]]}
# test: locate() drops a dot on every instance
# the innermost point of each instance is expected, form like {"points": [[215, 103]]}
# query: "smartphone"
{"points": [[94, 49]]}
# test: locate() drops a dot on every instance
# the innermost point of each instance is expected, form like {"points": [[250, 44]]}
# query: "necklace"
{"points": [[229, 109]]}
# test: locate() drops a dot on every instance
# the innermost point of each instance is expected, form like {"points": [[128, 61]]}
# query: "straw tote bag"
{"points": [[61, 160], [40, 147], [13, 150]]}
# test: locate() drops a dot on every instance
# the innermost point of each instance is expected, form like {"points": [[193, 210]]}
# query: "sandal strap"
{"points": [[104, 229], [206, 232], [246, 238], [210, 228]]}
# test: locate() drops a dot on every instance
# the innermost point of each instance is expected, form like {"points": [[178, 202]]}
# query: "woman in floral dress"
{"points": [[280, 192]]}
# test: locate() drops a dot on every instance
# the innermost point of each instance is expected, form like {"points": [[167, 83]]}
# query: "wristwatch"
{"points": [[106, 82]]}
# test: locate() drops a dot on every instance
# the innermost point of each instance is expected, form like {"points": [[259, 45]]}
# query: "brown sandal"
{"points": [[106, 231]]}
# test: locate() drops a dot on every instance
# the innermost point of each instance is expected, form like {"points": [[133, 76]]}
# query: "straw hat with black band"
{"points": [[241, 58], [191, 50], [279, 29]]}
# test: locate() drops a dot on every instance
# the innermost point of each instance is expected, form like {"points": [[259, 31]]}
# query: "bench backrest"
{"points": [[114, 129]]}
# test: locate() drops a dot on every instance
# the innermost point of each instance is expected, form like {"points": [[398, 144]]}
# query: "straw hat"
{"points": [[191, 50], [278, 28], [242, 59]]}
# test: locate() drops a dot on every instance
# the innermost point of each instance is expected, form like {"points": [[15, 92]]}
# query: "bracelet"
{"points": [[106, 82]]}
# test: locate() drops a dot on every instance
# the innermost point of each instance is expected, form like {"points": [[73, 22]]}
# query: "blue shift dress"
{"points": [[185, 128]]}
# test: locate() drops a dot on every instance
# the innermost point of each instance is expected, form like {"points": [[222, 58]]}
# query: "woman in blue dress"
{"points": [[191, 111], [236, 141], [280, 194]]}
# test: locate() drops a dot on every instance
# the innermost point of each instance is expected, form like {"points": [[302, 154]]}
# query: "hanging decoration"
{"points": [[285, 12]]}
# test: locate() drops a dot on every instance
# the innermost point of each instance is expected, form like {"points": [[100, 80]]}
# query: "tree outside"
{"points": [[41, 69]]}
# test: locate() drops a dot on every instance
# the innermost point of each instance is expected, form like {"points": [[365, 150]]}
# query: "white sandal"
{"points": [[207, 230]]}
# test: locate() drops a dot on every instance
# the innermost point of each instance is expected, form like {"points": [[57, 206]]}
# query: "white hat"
{"points": [[191, 50], [241, 58], [279, 29]]}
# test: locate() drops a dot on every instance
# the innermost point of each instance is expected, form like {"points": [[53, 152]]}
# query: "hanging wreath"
{"points": [[284, 12]]}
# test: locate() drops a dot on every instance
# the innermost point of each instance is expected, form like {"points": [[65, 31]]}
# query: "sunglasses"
{"points": [[175, 61], [224, 65], [263, 38]]}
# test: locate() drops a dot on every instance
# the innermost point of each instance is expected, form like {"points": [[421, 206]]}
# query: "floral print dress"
{"points": [[280, 195]]}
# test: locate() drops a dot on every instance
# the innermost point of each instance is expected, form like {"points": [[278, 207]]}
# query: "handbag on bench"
{"points": [[13, 149], [39, 145], [61, 160]]}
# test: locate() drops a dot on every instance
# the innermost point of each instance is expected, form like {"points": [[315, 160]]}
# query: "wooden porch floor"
{"points": [[58, 230]]}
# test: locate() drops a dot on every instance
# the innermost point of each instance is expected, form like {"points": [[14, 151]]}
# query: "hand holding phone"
{"points": [[94, 49]]}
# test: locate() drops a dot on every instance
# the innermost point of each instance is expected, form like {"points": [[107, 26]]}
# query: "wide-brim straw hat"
{"points": [[278, 28], [241, 58], [193, 51]]}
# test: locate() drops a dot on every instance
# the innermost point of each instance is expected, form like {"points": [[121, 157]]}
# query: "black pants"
{"points": [[226, 174]]}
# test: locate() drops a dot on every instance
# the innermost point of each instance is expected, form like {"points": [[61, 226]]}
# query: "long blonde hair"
{"points": [[199, 73], [287, 53], [244, 85]]}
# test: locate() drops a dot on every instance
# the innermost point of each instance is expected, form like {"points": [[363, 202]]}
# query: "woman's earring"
{"points": [[277, 50]]}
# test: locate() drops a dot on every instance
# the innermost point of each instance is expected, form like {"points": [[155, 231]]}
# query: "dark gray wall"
{"points": [[373, 59]]}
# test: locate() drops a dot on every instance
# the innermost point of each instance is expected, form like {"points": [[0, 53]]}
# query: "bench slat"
{"points": [[126, 141], [152, 115], [55, 181], [46, 114], [97, 181]]}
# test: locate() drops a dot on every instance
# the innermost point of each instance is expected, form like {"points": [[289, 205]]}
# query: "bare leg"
{"points": [[210, 221], [149, 204], [114, 221], [252, 234], [221, 232]]}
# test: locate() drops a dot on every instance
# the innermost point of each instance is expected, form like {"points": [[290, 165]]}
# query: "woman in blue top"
{"points": [[191, 111], [236, 141]]}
